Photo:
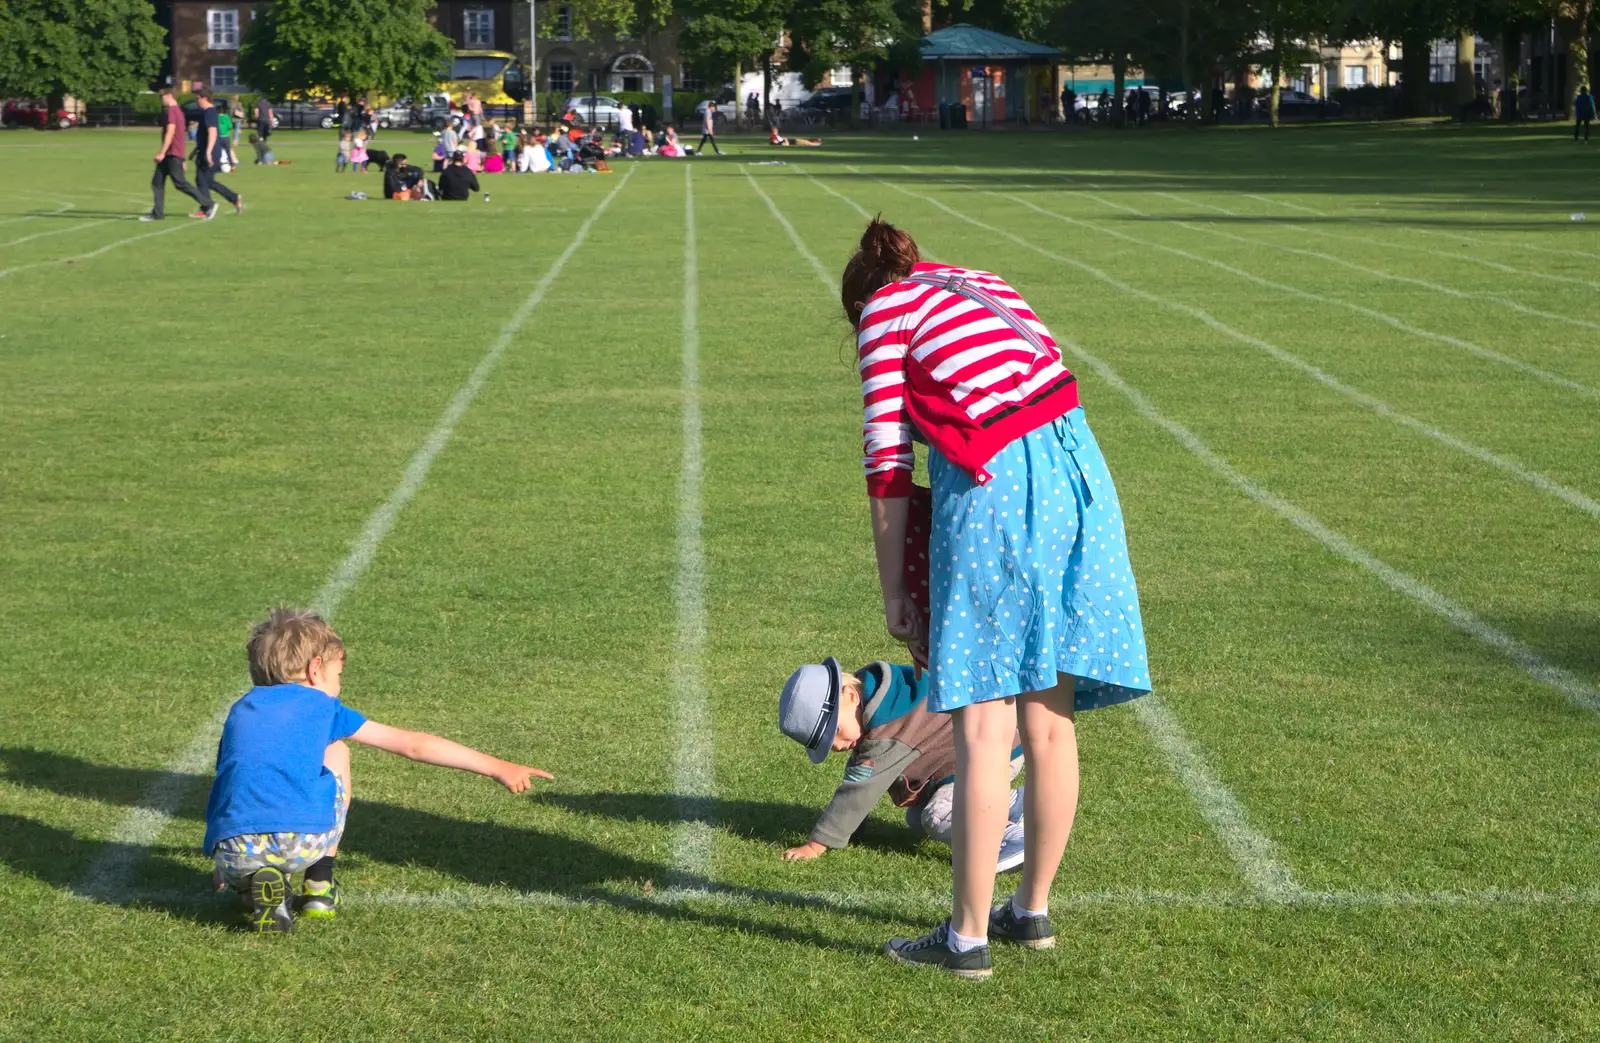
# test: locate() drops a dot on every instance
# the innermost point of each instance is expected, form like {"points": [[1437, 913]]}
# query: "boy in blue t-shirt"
{"points": [[282, 789]]}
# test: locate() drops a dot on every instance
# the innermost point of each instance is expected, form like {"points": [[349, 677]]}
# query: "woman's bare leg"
{"points": [[982, 796], [336, 758], [1050, 744]]}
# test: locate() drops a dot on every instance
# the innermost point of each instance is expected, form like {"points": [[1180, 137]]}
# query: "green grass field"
{"points": [[577, 474]]}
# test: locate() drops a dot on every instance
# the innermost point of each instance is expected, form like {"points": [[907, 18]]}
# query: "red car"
{"points": [[35, 112]]}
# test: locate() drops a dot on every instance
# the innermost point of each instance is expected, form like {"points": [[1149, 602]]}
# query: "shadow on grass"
{"points": [[486, 854], [766, 821]]}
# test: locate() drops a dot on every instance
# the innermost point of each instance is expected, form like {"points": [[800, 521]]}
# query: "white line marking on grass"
{"points": [[1397, 323], [1382, 408], [1536, 666], [78, 227], [1389, 243], [1466, 295], [846, 200], [35, 217], [913, 904], [102, 250], [694, 841], [794, 237], [1255, 855], [142, 826]]}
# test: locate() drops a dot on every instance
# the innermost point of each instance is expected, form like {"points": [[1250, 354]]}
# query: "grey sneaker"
{"points": [[1034, 932], [269, 902], [1014, 813], [933, 950], [1011, 849]]}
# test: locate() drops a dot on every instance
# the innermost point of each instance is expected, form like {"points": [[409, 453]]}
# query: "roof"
{"points": [[968, 41]]}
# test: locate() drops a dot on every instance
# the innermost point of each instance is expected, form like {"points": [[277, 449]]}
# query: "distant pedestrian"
{"points": [[708, 130], [207, 157], [169, 159], [264, 117], [1582, 112]]}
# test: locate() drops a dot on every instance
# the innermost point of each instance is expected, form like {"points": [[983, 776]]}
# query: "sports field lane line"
{"points": [[142, 826], [187, 223], [912, 904], [80, 226], [1579, 692], [1397, 323], [1255, 856], [693, 841], [1466, 295], [1390, 244], [1577, 499], [35, 217]]}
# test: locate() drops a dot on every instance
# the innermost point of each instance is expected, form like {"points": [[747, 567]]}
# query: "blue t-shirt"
{"points": [[270, 776]]}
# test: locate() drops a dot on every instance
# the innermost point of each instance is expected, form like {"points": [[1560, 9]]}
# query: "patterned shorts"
{"points": [[238, 858]]}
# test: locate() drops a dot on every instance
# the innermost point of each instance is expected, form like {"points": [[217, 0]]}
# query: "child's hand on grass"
{"points": [[809, 850], [517, 777]]}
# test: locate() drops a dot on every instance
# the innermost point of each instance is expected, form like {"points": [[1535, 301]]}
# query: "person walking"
{"points": [[169, 160], [208, 150], [1034, 611], [708, 130], [1582, 112], [264, 117]]}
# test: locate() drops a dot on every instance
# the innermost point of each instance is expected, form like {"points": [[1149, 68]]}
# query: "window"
{"points": [[478, 68], [561, 77], [1355, 75], [478, 26], [691, 81], [224, 77], [222, 29], [564, 22]]}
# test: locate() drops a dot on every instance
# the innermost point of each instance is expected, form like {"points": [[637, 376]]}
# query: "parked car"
{"points": [[1293, 104], [302, 112], [827, 104], [726, 99], [434, 112], [35, 112], [601, 109]]}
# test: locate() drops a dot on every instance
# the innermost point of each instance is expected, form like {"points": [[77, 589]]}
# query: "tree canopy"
{"points": [[96, 50], [344, 46]]}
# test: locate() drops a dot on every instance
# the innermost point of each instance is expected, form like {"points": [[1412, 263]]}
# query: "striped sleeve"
{"points": [[884, 340]]}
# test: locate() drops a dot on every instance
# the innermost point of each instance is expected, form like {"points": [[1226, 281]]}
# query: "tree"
{"points": [[345, 47], [95, 50], [862, 34], [720, 36], [1289, 28]]}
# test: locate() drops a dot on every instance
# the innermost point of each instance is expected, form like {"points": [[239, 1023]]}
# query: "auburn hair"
{"points": [[282, 646], [885, 255]]}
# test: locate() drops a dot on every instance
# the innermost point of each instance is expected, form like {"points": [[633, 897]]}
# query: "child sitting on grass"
{"points": [[282, 789], [879, 713]]}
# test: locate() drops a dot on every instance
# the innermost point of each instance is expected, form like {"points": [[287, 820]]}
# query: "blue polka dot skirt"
{"points": [[1029, 576]]}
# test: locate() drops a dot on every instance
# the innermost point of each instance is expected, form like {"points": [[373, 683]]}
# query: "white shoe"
{"points": [[1011, 851]]}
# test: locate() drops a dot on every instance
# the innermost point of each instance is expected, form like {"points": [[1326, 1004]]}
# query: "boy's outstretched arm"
{"points": [[431, 749]]}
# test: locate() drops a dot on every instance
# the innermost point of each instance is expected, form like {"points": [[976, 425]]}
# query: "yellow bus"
{"points": [[496, 77]]}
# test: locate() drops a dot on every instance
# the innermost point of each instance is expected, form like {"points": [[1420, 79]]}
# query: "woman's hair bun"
{"points": [[888, 249]]}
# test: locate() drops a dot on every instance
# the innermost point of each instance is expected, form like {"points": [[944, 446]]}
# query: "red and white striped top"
{"points": [[937, 363]]}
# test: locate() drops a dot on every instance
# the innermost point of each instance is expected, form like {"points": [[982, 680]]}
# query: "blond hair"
{"points": [[282, 646]]}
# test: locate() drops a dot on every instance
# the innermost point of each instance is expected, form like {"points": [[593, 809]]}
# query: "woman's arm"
{"points": [[889, 515]]}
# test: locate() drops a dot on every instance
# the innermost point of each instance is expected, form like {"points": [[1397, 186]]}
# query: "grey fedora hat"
{"points": [[808, 709]]}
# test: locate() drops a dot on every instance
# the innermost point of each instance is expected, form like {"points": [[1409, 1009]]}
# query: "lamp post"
{"points": [[533, 58]]}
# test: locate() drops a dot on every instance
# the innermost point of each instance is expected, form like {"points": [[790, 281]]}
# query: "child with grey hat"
{"points": [[880, 715]]}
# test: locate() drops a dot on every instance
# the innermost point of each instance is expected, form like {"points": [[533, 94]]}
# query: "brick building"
{"points": [[205, 41], [206, 33]]}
